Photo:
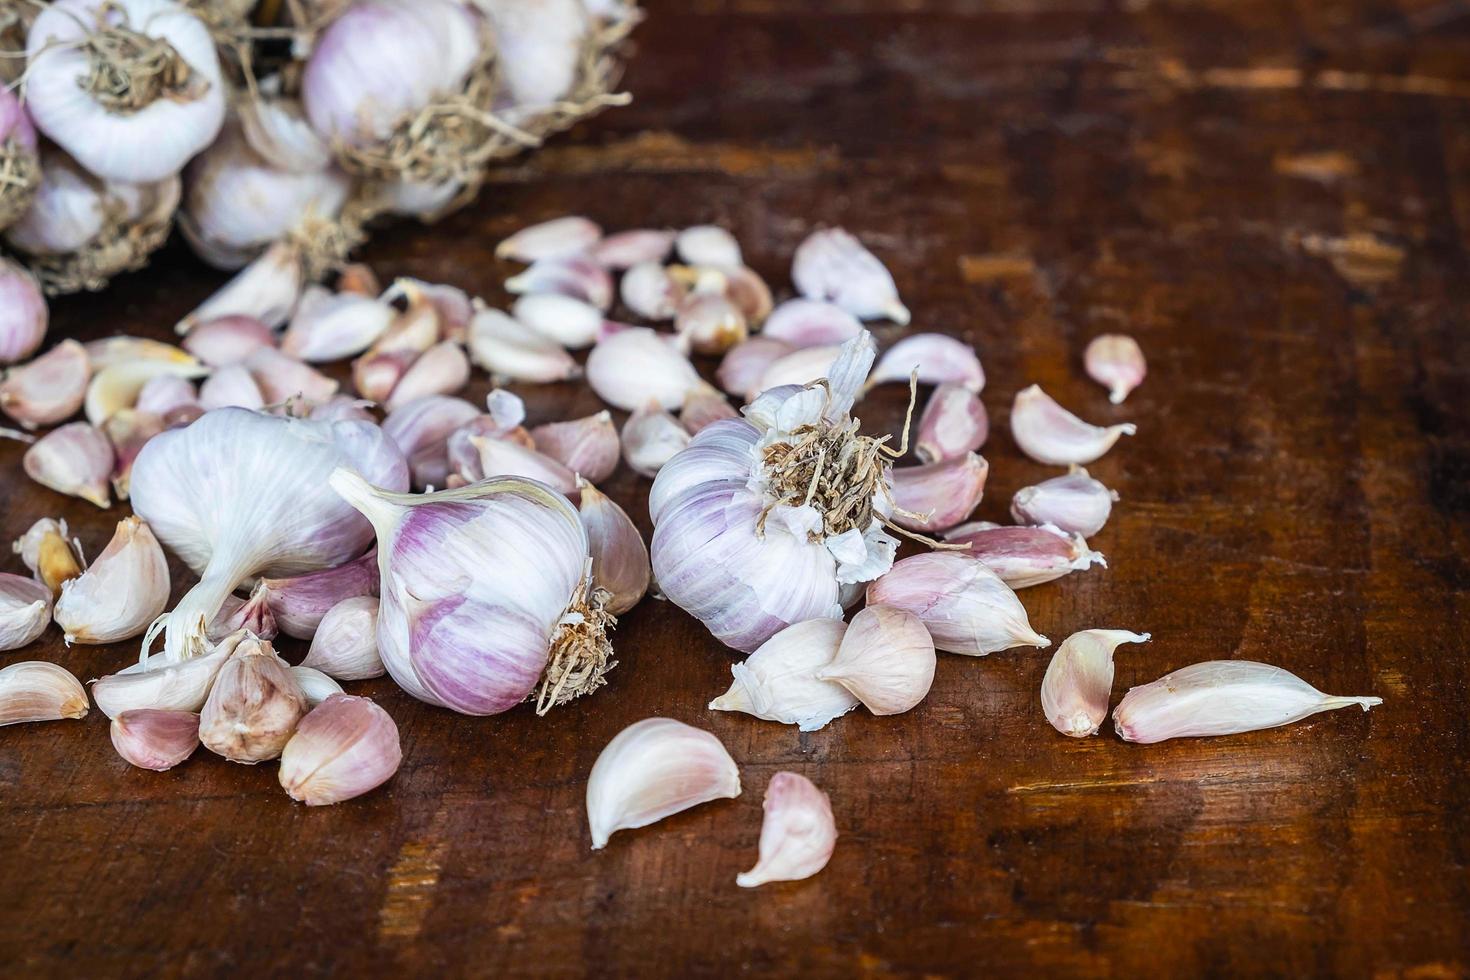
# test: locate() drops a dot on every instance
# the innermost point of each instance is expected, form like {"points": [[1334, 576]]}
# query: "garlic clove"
{"points": [[121, 594], [1115, 361], [450, 304], [798, 832], [23, 312], [652, 437], [358, 277], [779, 682], [743, 367], [703, 408], [1221, 697], [124, 349], [464, 456], [939, 495], [299, 603], [1079, 680], [576, 277], [316, 685], [938, 358], [886, 660], [129, 431], [151, 738], [510, 350], [330, 327], [231, 386], [707, 245], [253, 707], [421, 428], [654, 769], [1025, 556], [75, 460], [711, 323], [549, 239], [954, 423], [252, 615], [345, 747], [748, 291], [25, 610], [626, 249], [181, 686], [33, 690], [117, 386], [1075, 503], [811, 323], [619, 556], [345, 646], [50, 388], [651, 292], [966, 607], [281, 378], [570, 322], [163, 394], [1048, 433], [587, 446], [441, 370], [800, 367], [499, 457], [831, 264], [51, 554], [266, 290], [633, 367]]}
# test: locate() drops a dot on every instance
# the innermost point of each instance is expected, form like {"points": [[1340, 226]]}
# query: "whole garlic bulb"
{"points": [[20, 163], [131, 88], [738, 544]]}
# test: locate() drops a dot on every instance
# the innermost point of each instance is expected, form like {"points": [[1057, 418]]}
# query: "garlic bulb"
{"points": [[538, 49], [253, 707], [619, 556], [25, 610], [1115, 361], [780, 681], [1079, 680], [965, 606], [833, 265], [479, 644], [343, 748], [23, 312], [276, 128], [1075, 503], [33, 690], [798, 833], [654, 769], [345, 646], [886, 659], [49, 389], [131, 88], [1025, 556], [239, 494], [151, 738], [1048, 433], [123, 591], [760, 521], [19, 161]]}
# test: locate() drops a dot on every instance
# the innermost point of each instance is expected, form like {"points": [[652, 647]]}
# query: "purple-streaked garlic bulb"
{"points": [[20, 162]]}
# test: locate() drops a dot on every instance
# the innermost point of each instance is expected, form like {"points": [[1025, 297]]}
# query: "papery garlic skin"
{"points": [[1079, 680], [23, 312], [124, 590], [345, 646], [938, 359], [1048, 433], [1222, 697], [811, 323], [550, 239], [1025, 556], [937, 496], [954, 423], [49, 389], [589, 446], [637, 366], [800, 367], [964, 605], [34, 690], [619, 556], [253, 615], [345, 747], [651, 437], [253, 707], [18, 154], [831, 264], [1075, 503], [76, 460], [886, 659], [25, 610], [798, 832], [150, 738], [654, 769], [780, 682], [1115, 361]]}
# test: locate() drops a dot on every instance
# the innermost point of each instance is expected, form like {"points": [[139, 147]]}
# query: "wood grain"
{"points": [[1273, 198]]}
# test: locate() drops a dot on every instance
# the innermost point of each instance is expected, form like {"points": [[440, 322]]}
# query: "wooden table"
{"points": [[1274, 199]]}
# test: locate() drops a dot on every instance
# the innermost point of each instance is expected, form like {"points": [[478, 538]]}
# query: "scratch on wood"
{"points": [[1026, 788], [1360, 257], [660, 152], [977, 269], [1323, 167], [411, 884]]}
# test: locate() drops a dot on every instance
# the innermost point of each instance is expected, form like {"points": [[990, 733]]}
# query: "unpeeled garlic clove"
{"points": [[125, 349], [75, 460], [576, 277], [441, 370], [253, 707], [231, 386], [316, 685], [23, 313], [267, 290], [1025, 556], [619, 557], [570, 322], [117, 386], [358, 277], [165, 393], [954, 423], [128, 431], [1075, 503], [548, 239], [654, 769], [1048, 433], [331, 326], [49, 551], [299, 603], [778, 682], [421, 428], [704, 407], [499, 457], [228, 340], [748, 291], [33, 690], [510, 350], [281, 378], [50, 388], [25, 610], [345, 646], [652, 437], [939, 495], [800, 367], [345, 747], [711, 323], [121, 594], [1221, 697], [451, 305], [1115, 361], [633, 367], [464, 455], [587, 446], [798, 832], [253, 615], [938, 358], [886, 659], [811, 323], [707, 245], [180, 686], [651, 292], [743, 367], [626, 249], [1079, 680], [151, 738], [966, 607], [831, 264]]}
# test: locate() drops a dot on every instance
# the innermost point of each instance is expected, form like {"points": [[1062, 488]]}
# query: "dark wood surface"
{"points": [[1272, 197]]}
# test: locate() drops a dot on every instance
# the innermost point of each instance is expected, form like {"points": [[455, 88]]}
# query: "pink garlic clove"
{"points": [[652, 437], [345, 646], [939, 359], [651, 292], [442, 370], [577, 277], [254, 706], [501, 458], [886, 660], [511, 351], [49, 389], [281, 378], [1079, 680], [633, 367], [798, 833], [939, 495], [740, 285], [1075, 503], [231, 385], [163, 393], [76, 460], [587, 446], [1048, 433], [298, 604], [266, 290], [707, 245], [1222, 697], [811, 323], [800, 367], [23, 312], [330, 327], [705, 407], [25, 610], [747, 362], [549, 239], [228, 340], [833, 265], [954, 423], [966, 607], [1025, 556], [253, 614], [619, 556], [629, 248], [570, 322], [421, 429], [151, 738], [711, 323], [345, 747], [129, 431], [1115, 361], [374, 376]]}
